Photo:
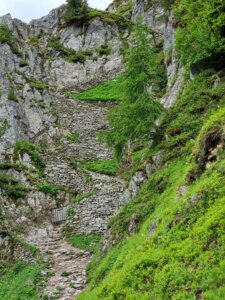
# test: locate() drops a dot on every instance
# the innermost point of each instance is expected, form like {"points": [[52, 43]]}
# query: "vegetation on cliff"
{"points": [[133, 118], [176, 248], [168, 242]]}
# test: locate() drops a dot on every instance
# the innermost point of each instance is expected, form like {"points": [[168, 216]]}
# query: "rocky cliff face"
{"points": [[33, 72]]}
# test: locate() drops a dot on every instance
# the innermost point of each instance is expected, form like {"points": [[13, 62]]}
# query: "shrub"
{"points": [[6, 36], [194, 42], [48, 188], [76, 57], [67, 53], [11, 187], [104, 50], [12, 96], [22, 147], [77, 11], [38, 85]]}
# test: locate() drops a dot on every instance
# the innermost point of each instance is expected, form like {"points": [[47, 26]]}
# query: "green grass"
{"points": [[111, 90], [20, 281], [176, 250], [6, 165], [108, 167], [86, 242], [82, 197], [73, 137]]}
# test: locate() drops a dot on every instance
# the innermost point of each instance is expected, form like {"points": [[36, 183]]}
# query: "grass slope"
{"points": [[19, 282], [178, 248], [111, 90]]}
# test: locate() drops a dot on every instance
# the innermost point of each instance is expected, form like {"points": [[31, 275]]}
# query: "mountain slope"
{"points": [[161, 209]]}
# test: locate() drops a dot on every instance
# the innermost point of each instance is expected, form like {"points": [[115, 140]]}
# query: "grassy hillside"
{"points": [[177, 249]]}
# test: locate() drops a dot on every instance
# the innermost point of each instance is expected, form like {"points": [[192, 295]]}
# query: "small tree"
{"points": [[136, 115], [77, 11]]}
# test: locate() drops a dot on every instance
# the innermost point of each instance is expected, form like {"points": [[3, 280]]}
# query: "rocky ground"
{"points": [[66, 265]]}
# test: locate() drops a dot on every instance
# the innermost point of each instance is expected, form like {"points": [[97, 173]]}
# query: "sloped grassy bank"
{"points": [[177, 250]]}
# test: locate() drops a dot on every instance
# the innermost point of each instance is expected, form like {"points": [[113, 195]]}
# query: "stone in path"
{"points": [[67, 265]]}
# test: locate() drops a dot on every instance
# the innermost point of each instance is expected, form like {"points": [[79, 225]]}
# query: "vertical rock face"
{"points": [[30, 61], [32, 74], [161, 21]]}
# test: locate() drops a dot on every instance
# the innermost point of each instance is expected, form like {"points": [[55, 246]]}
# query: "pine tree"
{"points": [[136, 115], [77, 11]]}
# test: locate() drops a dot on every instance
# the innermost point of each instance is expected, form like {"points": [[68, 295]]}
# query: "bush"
{"points": [[4, 125], [6, 36], [48, 188], [67, 53], [22, 147], [11, 187], [77, 11], [38, 85], [104, 50], [194, 42], [76, 57], [12, 96]]}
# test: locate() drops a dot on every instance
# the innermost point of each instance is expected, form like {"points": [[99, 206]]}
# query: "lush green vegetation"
{"points": [[194, 41], [11, 187], [77, 11], [86, 242], [108, 167], [48, 188], [20, 281], [22, 147], [133, 118], [6, 36], [176, 249], [111, 90]]}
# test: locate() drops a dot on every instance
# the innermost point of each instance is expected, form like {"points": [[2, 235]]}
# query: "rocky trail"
{"points": [[66, 275], [66, 271]]}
